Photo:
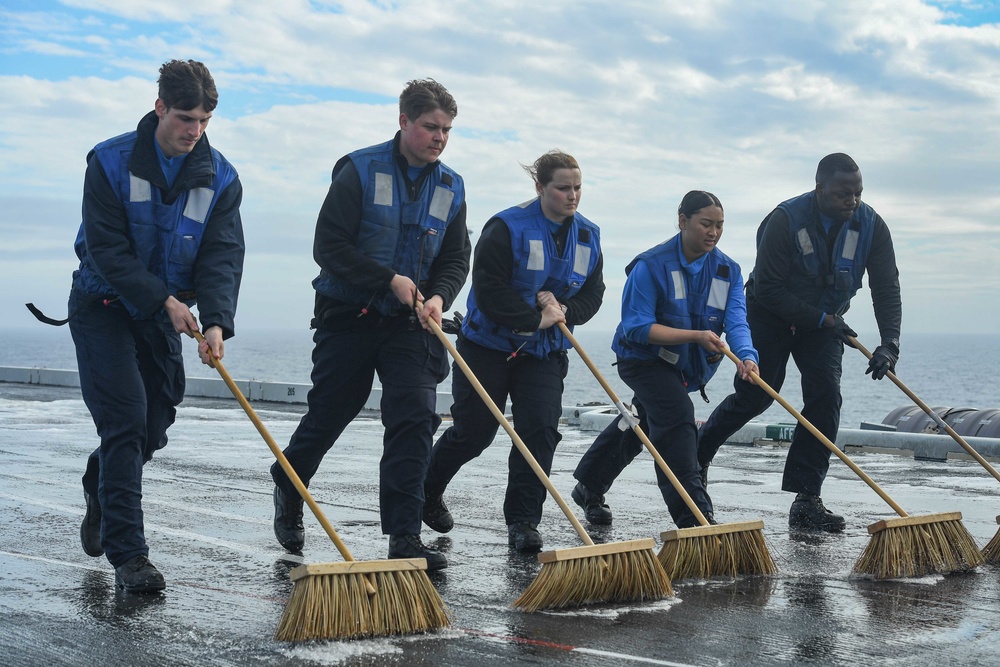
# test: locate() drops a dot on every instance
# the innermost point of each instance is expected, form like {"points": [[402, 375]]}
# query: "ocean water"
{"points": [[944, 370]]}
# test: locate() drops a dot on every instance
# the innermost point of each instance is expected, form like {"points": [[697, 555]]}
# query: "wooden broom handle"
{"points": [[930, 413], [629, 419], [819, 436], [280, 456], [510, 431]]}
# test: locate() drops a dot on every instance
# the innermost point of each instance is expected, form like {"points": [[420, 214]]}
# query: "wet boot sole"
{"points": [[140, 589], [814, 526]]}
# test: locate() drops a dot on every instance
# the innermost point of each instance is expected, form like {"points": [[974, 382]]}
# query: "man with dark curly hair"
{"points": [[161, 231]]}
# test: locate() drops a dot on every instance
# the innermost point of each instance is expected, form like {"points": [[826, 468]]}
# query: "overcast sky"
{"points": [[741, 98]]}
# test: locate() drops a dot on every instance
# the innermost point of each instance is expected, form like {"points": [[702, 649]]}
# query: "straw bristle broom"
{"points": [[706, 550], [908, 546], [613, 572], [353, 599], [991, 552]]}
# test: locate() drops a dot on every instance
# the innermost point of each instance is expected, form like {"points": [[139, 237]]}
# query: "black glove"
{"points": [[454, 325], [883, 360], [842, 331]]}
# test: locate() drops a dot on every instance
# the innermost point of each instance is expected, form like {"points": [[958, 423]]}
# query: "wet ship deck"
{"points": [[208, 514]]}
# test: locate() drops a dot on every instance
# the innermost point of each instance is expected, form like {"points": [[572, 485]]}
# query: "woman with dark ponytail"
{"points": [[537, 264], [678, 299]]}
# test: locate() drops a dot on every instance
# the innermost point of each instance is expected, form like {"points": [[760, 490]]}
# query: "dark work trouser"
{"points": [[132, 379], [410, 363], [535, 387], [817, 354], [666, 416]]}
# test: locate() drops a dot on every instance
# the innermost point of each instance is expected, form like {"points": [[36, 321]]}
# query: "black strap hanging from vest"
{"points": [[45, 319], [82, 300]]}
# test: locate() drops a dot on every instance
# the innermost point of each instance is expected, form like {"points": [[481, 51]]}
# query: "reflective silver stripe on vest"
{"points": [[680, 291], [536, 255], [668, 356], [851, 244], [718, 295], [805, 242], [138, 189], [198, 203], [383, 189], [441, 203], [582, 260]]}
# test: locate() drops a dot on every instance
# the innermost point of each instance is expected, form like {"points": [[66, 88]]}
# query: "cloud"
{"points": [[654, 99]]}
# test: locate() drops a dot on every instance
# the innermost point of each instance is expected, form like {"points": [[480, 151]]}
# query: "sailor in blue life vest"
{"points": [[812, 252], [391, 233], [679, 297], [161, 231], [536, 264]]}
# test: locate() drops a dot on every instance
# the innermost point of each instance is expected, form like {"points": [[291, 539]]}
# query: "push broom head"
{"points": [[614, 572], [353, 598], [723, 550], [334, 601], [913, 546], [991, 552]]}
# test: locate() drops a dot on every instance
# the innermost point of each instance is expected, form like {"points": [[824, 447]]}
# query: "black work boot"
{"points": [[692, 522], [410, 546], [809, 513], [436, 514], [138, 575], [90, 529], [594, 508], [288, 520], [524, 536], [704, 475]]}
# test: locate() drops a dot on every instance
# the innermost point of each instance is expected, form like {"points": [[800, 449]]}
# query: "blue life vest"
{"points": [[165, 237], [537, 266], [683, 301], [840, 280], [402, 234]]}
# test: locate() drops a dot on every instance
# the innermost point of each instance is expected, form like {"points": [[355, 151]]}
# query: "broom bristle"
{"points": [[917, 546], [724, 550], [338, 606], [626, 575], [991, 552]]}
